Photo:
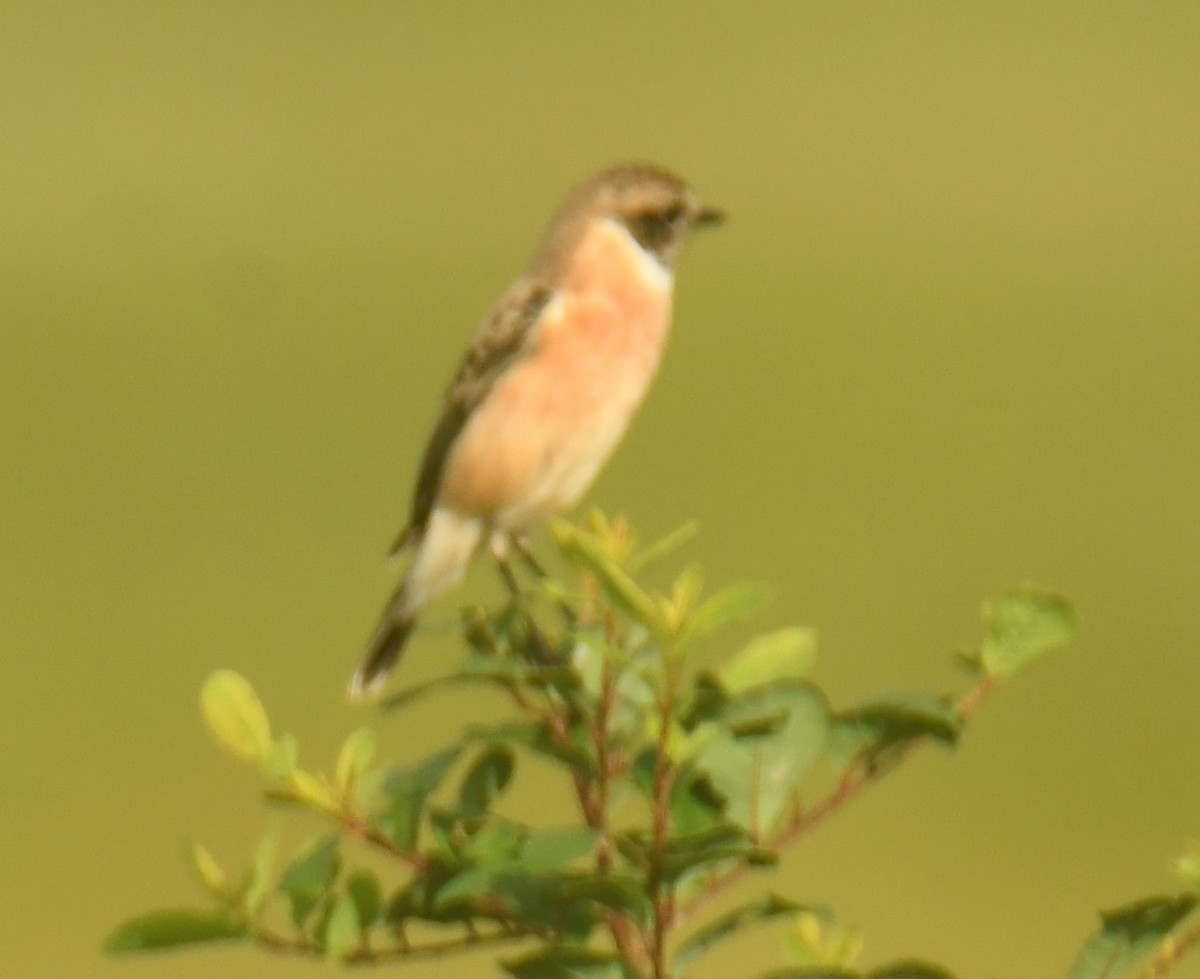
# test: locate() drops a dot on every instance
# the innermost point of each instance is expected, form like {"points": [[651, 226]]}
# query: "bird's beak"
{"points": [[707, 217]]}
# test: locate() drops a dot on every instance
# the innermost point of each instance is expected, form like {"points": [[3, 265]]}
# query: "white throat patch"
{"points": [[652, 271]]}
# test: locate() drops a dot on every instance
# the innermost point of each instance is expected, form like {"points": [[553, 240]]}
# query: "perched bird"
{"points": [[547, 388]]}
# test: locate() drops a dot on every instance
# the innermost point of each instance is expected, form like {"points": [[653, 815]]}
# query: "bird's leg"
{"points": [[498, 545], [521, 544], [542, 649]]}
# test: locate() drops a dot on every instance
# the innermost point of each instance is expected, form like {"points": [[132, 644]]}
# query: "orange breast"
{"points": [[534, 445]]}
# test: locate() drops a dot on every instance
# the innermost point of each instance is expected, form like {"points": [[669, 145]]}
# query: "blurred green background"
{"points": [[948, 341]]}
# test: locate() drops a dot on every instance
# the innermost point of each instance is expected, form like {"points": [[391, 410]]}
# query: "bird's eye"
{"points": [[656, 229]]}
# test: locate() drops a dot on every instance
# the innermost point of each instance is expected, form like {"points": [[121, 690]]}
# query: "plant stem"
{"points": [[664, 778], [624, 934], [1174, 953], [557, 725], [359, 827], [600, 740], [593, 796]]}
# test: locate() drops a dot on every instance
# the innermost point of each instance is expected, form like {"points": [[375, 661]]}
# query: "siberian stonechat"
{"points": [[547, 388]]}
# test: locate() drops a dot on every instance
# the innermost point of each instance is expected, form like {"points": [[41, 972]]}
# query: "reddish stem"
{"points": [[664, 779], [1179, 947], [357, 825]]}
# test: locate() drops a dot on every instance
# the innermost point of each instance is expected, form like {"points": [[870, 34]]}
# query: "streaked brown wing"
{"points": [[507, 334]]}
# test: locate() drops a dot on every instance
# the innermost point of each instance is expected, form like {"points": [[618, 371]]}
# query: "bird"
{"points": [[545, 390]]}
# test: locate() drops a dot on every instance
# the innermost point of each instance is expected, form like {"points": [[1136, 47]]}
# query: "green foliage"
{"points": [[170, 929], [1022, 625], [788, 654], [590, 553], [1188, 867], [765, 741], [404, 793], [765, 909], [687, 778], [1131, 934], [1155, 930], [572, 963], [235, 715], [879, 726], [488, 777], [308, 878]]}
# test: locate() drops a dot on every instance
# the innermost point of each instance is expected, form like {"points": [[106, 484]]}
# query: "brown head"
{"points": [[656, 207]]}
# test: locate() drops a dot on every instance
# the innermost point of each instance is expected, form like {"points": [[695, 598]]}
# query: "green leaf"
{"points": [[406, 791], [807, 973], [470, 883], [720, 843], [722, 609], [662, 548], [416, 898], [624, 893], [310, 790], [1188, 866], [585, 551], [310, 876], [684, 745], [682, 854], [685, 592], [508, 638], [909, 970], [1022, 625], [694, 806], [764, 909], [353, 761], [632, 703], [209, 872], [787, 654], [445, 825], [820, 972], [170, 929], [557, 849], [537, 737], [257, 882], [282, 757], [704, 701], [569, 963], [1129, 934], [769, 740], [235, 715], [818, 942], [882, 724], [485, 780], [589, 655], [342, 933], [543, 902], [363, 887], [496, 843]]}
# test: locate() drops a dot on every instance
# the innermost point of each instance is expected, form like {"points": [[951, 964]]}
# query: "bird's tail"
{"points": [[444, 549], [382, 653]]}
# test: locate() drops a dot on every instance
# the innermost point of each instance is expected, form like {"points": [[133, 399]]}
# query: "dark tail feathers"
{"points": [[385, 648]]}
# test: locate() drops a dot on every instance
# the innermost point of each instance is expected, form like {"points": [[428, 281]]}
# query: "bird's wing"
{"points": [[508, 334]]}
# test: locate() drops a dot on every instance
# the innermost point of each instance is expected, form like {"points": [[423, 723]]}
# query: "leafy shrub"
{"points": [[688, 778]]}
